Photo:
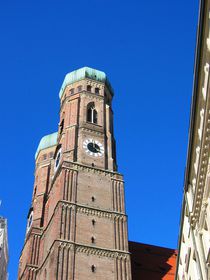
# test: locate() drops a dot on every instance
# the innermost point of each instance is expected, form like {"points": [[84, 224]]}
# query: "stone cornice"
{"points": [[101, 252], [200, 138], [93, 250], [29, 267], [77, 166], [92, 96], [96, 132], [93, 210], [32, 266], [44, 163], [89, 250], [81, 209], [201, 166]]}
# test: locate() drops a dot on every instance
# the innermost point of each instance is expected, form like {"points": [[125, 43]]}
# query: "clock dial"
{"points": [[93, 147]]}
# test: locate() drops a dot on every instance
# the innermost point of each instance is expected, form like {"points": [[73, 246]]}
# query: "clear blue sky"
{"points": [[147, 50]]}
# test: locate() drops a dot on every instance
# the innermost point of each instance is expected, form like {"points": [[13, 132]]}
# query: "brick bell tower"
{"points": [[77, 226]]}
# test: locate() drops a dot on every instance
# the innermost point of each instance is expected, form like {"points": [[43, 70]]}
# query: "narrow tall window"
{"points": [[71, 91], [93, 240], [92, 115], [30, 219], [51, 154], [79, 88], [95, 116], [97, 90], [61, 126], [57, 159], [93, 268], [89, 88], [35, 191]]}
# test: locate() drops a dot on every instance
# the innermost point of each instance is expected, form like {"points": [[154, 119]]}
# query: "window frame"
{"points": [[92, 114]]}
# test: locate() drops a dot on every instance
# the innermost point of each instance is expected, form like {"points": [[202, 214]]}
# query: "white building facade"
{"points": [[3, 249], [193, 261]]}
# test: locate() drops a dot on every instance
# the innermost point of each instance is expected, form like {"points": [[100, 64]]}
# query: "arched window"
{"points": [[30, 219], [93, 268], [92, 115], [97, 90], [79, 88], [61, 126], [57, 157], [89, 88]]}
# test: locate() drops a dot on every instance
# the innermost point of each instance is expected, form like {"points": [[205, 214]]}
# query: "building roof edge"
{"points": [[47, 141], [82, 73]]}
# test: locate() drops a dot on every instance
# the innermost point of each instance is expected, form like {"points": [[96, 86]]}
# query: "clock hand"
{"points": [[98, 149], [95, 146]]}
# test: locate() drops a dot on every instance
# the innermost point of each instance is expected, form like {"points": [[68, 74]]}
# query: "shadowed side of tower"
{"points": [[77, 225]]}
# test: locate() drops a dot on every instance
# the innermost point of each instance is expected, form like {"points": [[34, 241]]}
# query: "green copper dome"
{"points": [[46, 142], [82, 73]]}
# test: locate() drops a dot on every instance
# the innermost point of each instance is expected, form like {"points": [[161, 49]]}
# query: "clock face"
{"points": [[93, 147]]}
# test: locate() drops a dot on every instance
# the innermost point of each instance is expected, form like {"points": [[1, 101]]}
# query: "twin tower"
{"points": [[77, 226]]}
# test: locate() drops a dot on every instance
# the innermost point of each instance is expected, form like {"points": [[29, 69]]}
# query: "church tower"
{"points": [[77, 226]]}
